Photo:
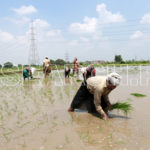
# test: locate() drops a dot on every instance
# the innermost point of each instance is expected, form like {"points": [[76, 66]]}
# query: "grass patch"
{"points": [[125, 107], [138, 95]]}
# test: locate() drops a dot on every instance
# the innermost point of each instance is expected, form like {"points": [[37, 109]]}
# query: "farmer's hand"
{"points": [[104, 116]]}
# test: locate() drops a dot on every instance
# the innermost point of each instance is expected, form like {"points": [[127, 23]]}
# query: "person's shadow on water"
{"points": [[110, 115]]}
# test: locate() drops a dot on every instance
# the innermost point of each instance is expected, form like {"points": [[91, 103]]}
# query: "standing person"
{"points": [[95, 93], [76, 66], [88, 72], [27, 73], [46, 67]]}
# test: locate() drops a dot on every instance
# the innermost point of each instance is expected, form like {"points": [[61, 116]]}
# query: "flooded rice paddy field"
{"points": [[33, 114]]}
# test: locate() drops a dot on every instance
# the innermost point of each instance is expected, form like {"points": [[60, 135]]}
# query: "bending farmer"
{"points": [[27, 73], [88, 72], [94, 94]]}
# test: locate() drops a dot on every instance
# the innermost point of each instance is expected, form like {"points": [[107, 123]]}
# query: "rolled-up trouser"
{"points": [[84, 97]]}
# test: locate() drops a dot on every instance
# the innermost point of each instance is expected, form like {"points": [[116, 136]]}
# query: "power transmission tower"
{"points": [[33, 53], [67, 56]]}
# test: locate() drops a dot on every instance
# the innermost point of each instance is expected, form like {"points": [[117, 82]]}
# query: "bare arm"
{"points": [[97, 102], [106, 98]]}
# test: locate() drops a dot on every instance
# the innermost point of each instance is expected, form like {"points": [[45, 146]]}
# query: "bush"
{"points": [[118, 59], [8, 65], [60, 62], [52, 61]]}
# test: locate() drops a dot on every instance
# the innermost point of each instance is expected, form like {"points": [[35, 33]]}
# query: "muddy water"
{"points": [[33, 115]]}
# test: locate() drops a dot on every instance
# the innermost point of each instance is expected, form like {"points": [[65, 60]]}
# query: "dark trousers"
{"points": [[67, 73], [84, 97]]}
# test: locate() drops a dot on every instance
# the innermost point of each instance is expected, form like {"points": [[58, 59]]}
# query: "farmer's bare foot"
{"points": [[70, 110]]}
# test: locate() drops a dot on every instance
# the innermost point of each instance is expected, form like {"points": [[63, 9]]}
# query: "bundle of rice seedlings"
{"points": [[125, 107], [79, 80], [138, 94], [71, 74]]}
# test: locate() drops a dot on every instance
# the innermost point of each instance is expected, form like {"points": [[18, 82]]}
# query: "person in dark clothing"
{"points": [[67, 72], [88, 72], [94, 94], [84, 97]]}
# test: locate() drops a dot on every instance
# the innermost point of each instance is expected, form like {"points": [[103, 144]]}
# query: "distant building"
{"points": [[95, 62], [98, 62]]}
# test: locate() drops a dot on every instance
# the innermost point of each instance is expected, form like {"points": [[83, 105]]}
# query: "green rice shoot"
{"points": [[138, 94], [79, 80], [125, 107], [71, 74]]}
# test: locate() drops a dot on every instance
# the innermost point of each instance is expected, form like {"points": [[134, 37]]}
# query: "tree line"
{"points": [[117, 60]]}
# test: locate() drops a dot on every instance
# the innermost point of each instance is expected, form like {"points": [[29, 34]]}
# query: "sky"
{"points": [[86, 29]]}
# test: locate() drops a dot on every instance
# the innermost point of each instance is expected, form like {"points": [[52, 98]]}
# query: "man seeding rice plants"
{"points": [[46, 67], [75, 66], [88, 72], [94, 94], [67, 72], [27, 73]]}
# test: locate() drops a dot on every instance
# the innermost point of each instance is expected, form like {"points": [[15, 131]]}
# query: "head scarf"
{"points": [[114, 79]]}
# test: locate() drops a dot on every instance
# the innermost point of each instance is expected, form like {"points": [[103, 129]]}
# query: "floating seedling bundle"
{"points": [[78, 80], [138, 95]]}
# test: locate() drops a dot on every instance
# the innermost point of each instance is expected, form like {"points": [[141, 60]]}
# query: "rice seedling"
{"points": [[67, 139], [81, 135], [54, 124], [125, 107], [6, 138], [24, 124], [79, 80], [111, 136], [88, 136], [51, 100], [138, 95], [1, 117], [99, 129], [72, 118], [36, 112], [55, 117], [72, 75], [23, 145]]}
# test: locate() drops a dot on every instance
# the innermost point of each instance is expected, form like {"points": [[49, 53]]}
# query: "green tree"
{"points": [[60, 62], [8, 65], [118, 59], [52, 61], [0, 66]]}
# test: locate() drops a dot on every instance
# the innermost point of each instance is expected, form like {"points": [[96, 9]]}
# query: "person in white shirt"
{"points": [[46, 67], [95, 94]]}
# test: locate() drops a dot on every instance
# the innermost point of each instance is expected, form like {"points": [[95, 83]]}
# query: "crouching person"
{"points": [[94, 94], [67, 72], [88, 72], [27, 73]]}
